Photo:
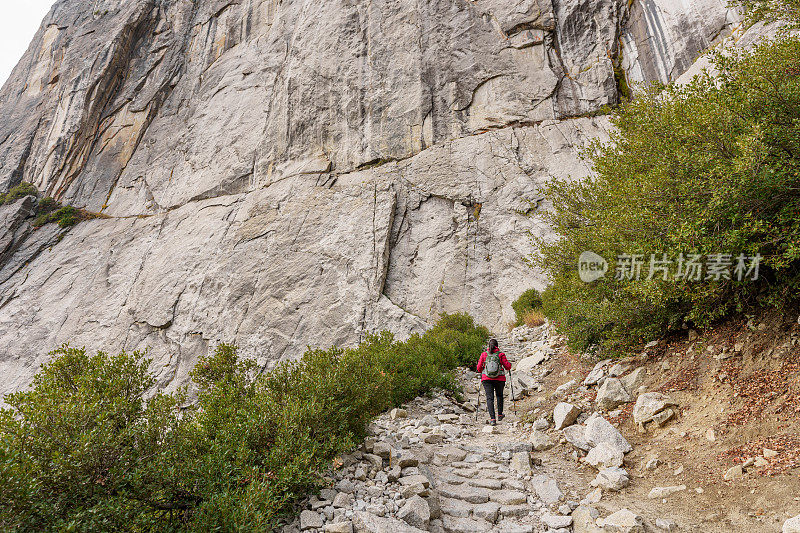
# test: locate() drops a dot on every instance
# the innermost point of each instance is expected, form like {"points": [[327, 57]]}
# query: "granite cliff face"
{"points": [[278, 173]]}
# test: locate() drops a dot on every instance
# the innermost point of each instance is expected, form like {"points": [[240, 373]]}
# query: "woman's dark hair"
{"points": [[493, 347]]}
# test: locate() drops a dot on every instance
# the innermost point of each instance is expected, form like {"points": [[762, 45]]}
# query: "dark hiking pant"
{"points": [[494, 389]]}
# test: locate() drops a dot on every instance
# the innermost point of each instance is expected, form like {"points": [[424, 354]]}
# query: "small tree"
{"points": [[83, 445], [711, 167]]}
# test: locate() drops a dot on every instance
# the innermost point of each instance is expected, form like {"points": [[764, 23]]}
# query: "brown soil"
{"points": [[749, 399]]}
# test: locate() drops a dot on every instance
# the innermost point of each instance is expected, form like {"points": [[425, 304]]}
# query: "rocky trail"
{"points": [[435, 465]]}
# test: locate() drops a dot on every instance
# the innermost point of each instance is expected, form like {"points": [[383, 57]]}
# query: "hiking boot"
{"points": [[491, 422], [500, 418]]}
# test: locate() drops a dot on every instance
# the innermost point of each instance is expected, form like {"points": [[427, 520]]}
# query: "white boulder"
{"points": [[649, 405], [613, 479], [623, 521], [565, 415], [612, 394], [598, 430], [605, 455], [792, 525]]}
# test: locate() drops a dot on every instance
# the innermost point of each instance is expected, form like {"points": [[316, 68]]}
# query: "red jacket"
{"points": [[503, 361]]}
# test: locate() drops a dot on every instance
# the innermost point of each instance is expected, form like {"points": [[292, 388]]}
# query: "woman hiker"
{"points": [[493, 378]]}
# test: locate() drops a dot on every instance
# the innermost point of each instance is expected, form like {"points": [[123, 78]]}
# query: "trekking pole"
{"points": [[478, 410], [513, 397]]}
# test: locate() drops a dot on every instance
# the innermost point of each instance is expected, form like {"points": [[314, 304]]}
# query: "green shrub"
{"points": [[457, 336], [529, 300], [708, 167], [65, 216], [267, 439], [41, 220], [771, 10], [46, 205], [534, 318], [20, 191], [84, 450], [78, 451]]}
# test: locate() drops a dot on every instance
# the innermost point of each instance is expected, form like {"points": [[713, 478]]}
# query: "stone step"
{"points": [[448, 454], [450, 478], [465, 525], [465, 493], [457, 508], [513, 484], [463, 472], [486, 483], [512, 527], [515, 511], [508, 497], [486, 511], [492, 473], [368, 523]]}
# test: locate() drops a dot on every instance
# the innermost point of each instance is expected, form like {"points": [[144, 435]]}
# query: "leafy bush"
{"points": [[47, 209], [709, 167], [77, 448], [20, 191], [456, 336], [85, 451], [45, 206], [771, 10], [64, 216], [529, 300], [533, 318], [67, 216]]}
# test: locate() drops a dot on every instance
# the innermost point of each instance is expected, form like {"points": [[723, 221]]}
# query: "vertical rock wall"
{"points": [[284, 174]]}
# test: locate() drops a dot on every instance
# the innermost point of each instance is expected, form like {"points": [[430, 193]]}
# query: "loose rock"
{"points": [[614, 479], [529, 363], [562, 390], [364, 522], [634, 380], [611, 394], [584, 520], [649, 405], [310, 520], [734, 473], [382, 449], [575, 435], [554, 521], [565, 415], [343, 499], [598, 430], [657, 493], [596, 374], [605, 455], [415, 512], [338, 527], [398, 413], [547, 489], [792, 525], [666, 525], [623, 521]]}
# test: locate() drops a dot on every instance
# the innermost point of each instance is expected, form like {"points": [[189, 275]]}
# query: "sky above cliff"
{"points": [[18, 25]]}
